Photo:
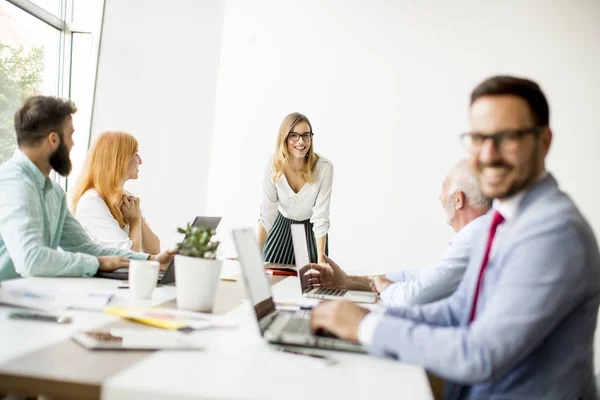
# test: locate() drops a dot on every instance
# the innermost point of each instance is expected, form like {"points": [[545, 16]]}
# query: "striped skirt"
{"points": [[278, 247]]}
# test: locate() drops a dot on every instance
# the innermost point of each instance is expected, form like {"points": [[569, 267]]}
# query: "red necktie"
{"points": [[496, 220]]}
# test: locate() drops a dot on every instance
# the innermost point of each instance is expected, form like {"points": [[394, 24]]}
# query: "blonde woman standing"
{"points": [[100, 203], [296, 190]]}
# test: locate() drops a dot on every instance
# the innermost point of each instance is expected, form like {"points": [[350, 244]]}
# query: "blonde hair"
{"points": [[281, 156], [105, 170]]}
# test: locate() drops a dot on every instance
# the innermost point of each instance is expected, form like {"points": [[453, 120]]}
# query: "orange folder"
{"points": [[270, 271]]}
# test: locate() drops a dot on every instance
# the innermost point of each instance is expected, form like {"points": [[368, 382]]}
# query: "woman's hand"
{"points": [[130, 207], [164, 257]]}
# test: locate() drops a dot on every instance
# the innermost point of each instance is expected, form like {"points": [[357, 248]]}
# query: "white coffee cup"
{"points": [[196, 280], [143, 276]]}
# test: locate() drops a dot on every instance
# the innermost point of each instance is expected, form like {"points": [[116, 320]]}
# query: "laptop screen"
{"points": [[253, 270], [300, 244], [209, 222]]}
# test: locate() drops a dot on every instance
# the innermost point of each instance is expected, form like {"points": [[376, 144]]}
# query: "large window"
{"points": [[48, 47]]}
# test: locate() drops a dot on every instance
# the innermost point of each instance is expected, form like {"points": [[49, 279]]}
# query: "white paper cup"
{"points": [[196, 280], [143, 276]]}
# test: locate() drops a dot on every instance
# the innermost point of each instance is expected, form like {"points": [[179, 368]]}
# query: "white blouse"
{"points": [[94, 215], [311, 202]]}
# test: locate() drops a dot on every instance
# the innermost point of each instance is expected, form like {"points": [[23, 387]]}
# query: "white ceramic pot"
{"points": [[196, 280]]}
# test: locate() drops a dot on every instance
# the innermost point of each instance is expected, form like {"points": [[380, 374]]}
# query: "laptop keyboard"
{"points": [[298, 325], [330, 292], [299, 328], [337, 344], [302, 325]]}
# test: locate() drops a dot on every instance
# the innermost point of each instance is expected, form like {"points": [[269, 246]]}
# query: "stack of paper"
{"points": [[21, 294], [168, 318]]}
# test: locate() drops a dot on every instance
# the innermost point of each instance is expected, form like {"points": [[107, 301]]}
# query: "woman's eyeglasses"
{"points": [[306, 137]]}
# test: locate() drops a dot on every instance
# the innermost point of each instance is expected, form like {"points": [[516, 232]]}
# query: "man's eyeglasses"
{"points": [[306, 137], [504, 141]]}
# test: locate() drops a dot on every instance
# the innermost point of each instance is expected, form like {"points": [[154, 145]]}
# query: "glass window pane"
{"points": [[82, 92], [29, 64]]}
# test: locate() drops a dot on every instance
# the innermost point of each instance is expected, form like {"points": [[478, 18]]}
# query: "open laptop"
{"points": [[304, 273], [168, 275], [280, 327]]}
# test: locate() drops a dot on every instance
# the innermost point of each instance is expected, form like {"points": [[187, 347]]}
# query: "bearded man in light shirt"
{"points": [[34, 218]]}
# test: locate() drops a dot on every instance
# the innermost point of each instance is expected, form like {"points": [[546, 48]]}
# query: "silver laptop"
{"points": [[167, 276], [304, 273], [281, 327]]}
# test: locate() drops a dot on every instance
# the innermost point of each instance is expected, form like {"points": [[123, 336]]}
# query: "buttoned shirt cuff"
{"points": [[367, 327], [90, 265]]}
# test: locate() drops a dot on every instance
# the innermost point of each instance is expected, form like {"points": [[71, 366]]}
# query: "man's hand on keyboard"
{"points": [[341, 318], [111, 263]]}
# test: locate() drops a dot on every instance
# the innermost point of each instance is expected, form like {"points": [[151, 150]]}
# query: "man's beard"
{"points": [[60, 161], [534, 173], [517, 186]]}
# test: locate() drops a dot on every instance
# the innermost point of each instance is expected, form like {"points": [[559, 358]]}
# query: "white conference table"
{"points": [[40, 358]]}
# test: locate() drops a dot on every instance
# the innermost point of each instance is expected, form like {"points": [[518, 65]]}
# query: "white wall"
{"points": [[385, 83], [386, 86], [157, 80], [204, 85]]}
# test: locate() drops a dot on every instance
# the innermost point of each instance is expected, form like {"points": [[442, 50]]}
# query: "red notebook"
{"points": [[271, 271]]}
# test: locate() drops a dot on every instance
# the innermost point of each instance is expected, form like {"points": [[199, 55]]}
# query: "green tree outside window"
{"points": [[20, 77]]}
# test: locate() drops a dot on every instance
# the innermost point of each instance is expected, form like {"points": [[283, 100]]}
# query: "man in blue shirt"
{"points": [[464, 204], [34, 218], [521, 323]]}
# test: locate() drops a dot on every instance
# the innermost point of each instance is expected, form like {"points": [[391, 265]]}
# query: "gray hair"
{"points": [[463, 178]]}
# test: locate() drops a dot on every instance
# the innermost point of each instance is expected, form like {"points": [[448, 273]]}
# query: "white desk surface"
{"points": [[21, 336], [236, 364]]}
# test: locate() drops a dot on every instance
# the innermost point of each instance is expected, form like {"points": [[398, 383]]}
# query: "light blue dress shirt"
{"points": [[424, 285], [533, 333], [35, 221]]}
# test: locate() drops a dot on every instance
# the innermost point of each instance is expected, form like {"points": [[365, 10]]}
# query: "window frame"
{"points": [[63, 23]]}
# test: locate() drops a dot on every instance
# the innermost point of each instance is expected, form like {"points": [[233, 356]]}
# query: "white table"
{"points": [[236, 364]]}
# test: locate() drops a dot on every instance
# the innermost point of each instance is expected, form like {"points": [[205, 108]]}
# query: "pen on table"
{"points": [[328, 360], [294, 305]]}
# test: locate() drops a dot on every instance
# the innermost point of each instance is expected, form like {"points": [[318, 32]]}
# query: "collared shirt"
{"points": [[507, 207], [424, 285], [35, 221], [311, 202], [536, 312]]}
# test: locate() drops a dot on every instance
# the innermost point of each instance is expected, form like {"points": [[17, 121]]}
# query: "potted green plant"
{"points": [[198, 242], [196, 269]]}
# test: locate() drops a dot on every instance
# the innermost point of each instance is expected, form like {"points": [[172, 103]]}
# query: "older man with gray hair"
{"points": [[464, 203]]}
